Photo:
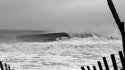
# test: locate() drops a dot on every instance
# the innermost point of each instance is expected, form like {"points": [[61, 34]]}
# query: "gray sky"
{"points": [[60, 15]]}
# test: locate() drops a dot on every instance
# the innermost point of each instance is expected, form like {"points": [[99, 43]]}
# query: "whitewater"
{"points": [[68, 54]]}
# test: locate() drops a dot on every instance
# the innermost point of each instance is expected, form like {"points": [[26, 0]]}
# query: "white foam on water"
{"points": [[68, 54]]}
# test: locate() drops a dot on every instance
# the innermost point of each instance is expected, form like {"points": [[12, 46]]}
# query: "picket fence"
{"points": [[5, 66], [106, 65]]}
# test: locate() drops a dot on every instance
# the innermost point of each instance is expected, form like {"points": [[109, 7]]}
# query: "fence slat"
{"points": [[82, 68], [114, 62], [94, 68], [9, 67], [122, 58], [105, 63], [88, 67], [6, 67], [100, 66], [1, 65]]}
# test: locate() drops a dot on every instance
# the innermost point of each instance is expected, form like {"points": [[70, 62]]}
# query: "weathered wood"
{"points": [[118, 22], [122, 58], [114, 62], [94, 67], [9, 67], [88, 67], [1, 65], [6, 67], [100, 65], [105, 63], [82, 68]]}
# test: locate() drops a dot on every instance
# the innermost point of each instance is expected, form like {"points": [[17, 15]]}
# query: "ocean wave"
{"points": [[56, 44], [49, 37], [44, 37], [68, 54]]}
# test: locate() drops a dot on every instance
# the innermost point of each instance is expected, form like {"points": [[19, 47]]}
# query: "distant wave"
{"points": [[41, 37], [49, 37], [88, 35]]}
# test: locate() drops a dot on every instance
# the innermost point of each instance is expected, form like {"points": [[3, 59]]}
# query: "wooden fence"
{"points": [[4, 66], [113, 59]]}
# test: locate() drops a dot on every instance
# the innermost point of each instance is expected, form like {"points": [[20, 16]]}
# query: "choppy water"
{"points": [[60, 55]]}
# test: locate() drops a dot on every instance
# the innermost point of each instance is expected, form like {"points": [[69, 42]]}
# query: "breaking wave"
{"points": [[50, 37], [66, 54]]}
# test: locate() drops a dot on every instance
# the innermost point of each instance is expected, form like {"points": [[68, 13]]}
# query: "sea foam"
{"points": [[67, 54]]}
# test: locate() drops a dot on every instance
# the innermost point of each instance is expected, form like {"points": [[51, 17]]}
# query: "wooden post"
{"points": [[94, 68], [9, 67], [105, 63], [6, 67], [122, 58], [1, 65], [118, 22], [114, 62], [88, 67], [82, 68], [100, 66]]}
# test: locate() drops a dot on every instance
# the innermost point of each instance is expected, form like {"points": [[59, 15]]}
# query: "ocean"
{"points": [[14, 36], [65, 54]]}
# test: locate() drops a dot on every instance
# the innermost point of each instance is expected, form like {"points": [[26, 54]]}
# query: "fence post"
{"points": [[94, 68], [122, 58], [9, 67], [114, 62], [105, 63], [82, 68], [100, 66], [1, 65], [6, 66], [88, 67]]}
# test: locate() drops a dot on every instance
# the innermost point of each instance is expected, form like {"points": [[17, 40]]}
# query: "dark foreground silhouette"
{"points": [[120, 25]]}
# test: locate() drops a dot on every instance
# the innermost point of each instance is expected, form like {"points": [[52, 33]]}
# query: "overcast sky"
{"points": [[60, 15]]}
